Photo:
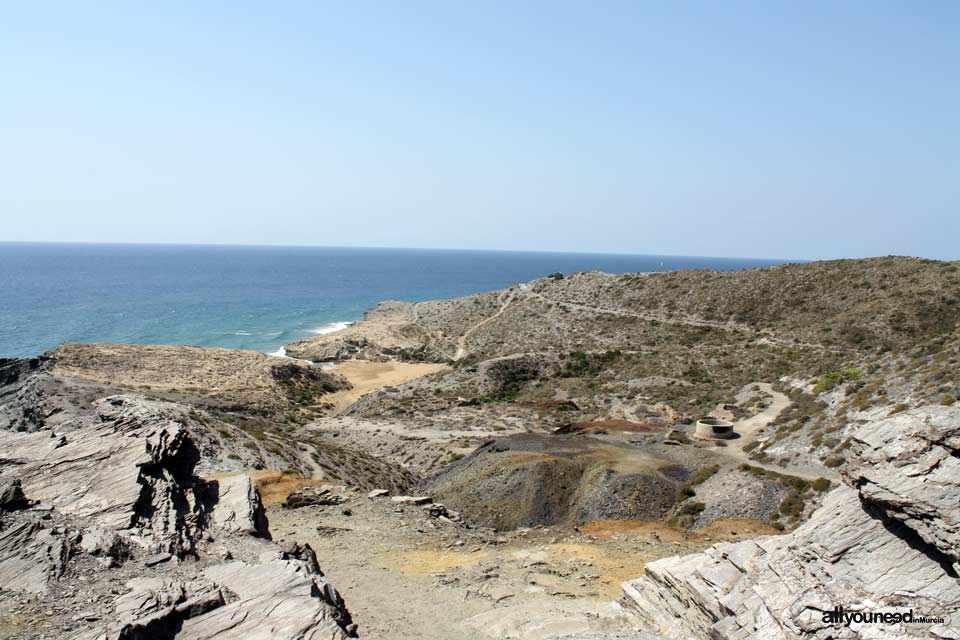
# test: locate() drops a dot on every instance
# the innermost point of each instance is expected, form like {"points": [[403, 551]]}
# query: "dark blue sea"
{"points": [[251, 297]]}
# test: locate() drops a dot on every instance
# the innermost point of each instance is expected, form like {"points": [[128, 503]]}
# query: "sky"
{"points": [[753, 129]]}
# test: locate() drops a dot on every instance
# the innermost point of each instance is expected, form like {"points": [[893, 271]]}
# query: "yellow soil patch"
{"points": [[367, 376], [606, 529], [274, 486], [722, 529], [421, 563], [616, 566], [738, 529]]}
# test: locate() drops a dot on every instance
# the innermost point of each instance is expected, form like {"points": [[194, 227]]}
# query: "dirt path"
{"points": [[506, 299], [749, 427]]}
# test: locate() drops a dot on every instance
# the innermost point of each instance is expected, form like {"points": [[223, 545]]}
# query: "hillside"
{"points": [[496, 465]]}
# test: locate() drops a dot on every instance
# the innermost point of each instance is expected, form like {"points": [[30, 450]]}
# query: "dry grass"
{"points": [[274, 486]]}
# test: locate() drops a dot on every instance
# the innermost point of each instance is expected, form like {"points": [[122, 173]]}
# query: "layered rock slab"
{"points": [[884, 543], [117, 497]]}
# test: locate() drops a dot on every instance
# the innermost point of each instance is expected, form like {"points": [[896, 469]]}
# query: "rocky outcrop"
{"points": [[118, 496], [885, 542], [132, 471], [387, 332], [31, 554], [908, 467], [284, 597], [21, 399]]}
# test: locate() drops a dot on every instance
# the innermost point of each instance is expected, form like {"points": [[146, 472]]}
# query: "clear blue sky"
{"points": [[762, 129]]}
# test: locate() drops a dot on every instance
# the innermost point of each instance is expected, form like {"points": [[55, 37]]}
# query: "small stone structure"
{"points": [[709, 428]]}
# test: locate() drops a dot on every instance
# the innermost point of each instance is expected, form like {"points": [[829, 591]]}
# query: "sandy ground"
{"points": [[460, 583], [367, 376]]}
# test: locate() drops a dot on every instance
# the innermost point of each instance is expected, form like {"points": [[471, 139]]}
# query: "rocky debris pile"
{"points": [[440, 512], [529, 479], [311, 497], [114, 536], [883, 542]]}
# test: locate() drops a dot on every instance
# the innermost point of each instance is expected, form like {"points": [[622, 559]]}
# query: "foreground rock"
{"points": [[885, 543], [113, 534]]}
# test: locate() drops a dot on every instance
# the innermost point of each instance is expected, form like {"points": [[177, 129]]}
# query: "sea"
{"points": [[253, 297]]}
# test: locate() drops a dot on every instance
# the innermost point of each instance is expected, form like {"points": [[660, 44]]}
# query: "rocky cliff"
{"points": [[885, 541]]}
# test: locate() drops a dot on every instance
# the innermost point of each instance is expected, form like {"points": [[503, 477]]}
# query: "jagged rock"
{"points": [[854, 552], [437, 510], [21, 399], [285, 598], [377, 493], [31, 555], [908, 466], [238, 508], [156, 559], [132, 471], [156, 608], [11, 495], [121, 484]]}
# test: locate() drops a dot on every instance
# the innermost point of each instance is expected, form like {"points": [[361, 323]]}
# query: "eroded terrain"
{"points": [[515, 464]]}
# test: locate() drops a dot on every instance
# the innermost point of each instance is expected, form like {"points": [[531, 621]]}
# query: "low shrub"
{"points": [[898, 409]]}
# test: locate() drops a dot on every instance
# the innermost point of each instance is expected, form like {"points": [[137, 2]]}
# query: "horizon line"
{"points": [[395, 248]]}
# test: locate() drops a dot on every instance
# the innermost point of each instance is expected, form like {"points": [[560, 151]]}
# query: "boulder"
{"points": [[237, 507], [412, 499], [312, 496], [11, 495], [106, 543]]}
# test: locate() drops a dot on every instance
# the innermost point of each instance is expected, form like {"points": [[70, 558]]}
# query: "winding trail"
{"points": [[749, 427], [506, 299]]}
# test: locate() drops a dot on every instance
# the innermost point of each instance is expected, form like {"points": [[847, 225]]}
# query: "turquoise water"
{"points": [[250, 297]]}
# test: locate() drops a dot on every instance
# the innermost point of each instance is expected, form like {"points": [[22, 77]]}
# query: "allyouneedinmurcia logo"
{"points": [[839, 616]]}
